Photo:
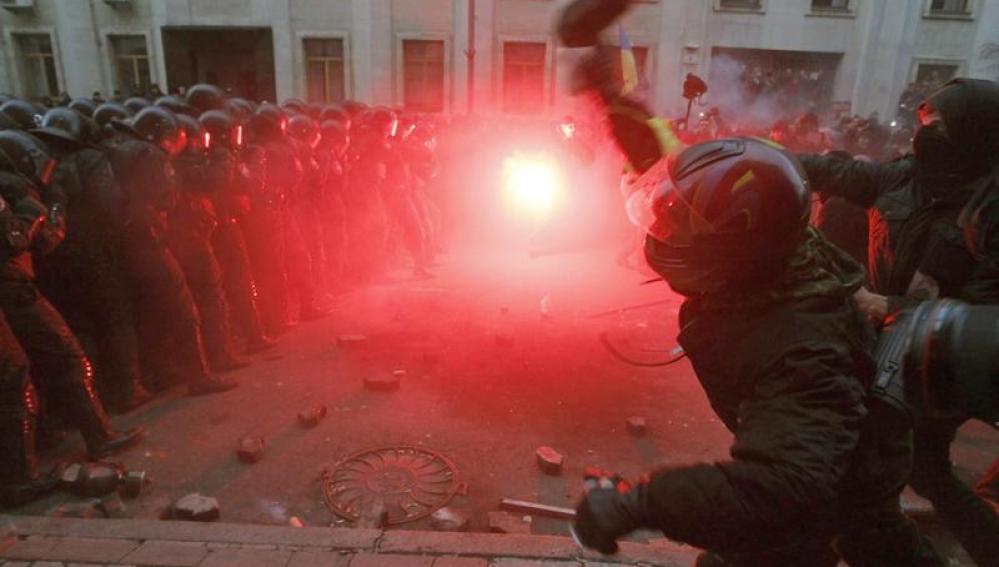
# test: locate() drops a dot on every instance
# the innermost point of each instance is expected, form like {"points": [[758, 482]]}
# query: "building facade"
{"points": [[500, 56]]}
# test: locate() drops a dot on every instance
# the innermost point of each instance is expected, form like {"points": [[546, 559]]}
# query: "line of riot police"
{"points": [[149, 244]]}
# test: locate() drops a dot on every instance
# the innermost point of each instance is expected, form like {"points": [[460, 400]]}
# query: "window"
{"points": [[423, 74], [935, 74], [524, 77], [831, 5], [739, 4], [131, 63], [949, 7], [325, 70], [37, 65]]}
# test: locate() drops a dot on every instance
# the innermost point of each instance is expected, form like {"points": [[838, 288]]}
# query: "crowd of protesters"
{"points": [[150, 243]]}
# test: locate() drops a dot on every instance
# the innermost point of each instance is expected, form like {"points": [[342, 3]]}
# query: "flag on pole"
{"points": [[629, 68]]}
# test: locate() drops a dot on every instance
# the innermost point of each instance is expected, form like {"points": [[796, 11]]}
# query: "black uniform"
{"points": [[59, 368], [85, 279], [914, 229]]}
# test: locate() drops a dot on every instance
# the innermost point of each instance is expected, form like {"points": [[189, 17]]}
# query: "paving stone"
{"points": [[637, 426], [90, 549], [373, 515], [319, 559], [234, 557], [390, 560], [15, 564], [449, 519], [251, 449], [382, 383], [28, 549], [549, 460], [507, 562], [460, 562], [477, 544], [196, 507], [167, 554], [507, 523], [47, 564]]}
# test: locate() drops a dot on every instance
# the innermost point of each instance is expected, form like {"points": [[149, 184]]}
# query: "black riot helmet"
{"points": [[268, 123], [27, 155], [84, 106], [204, 96], [136, 103], [382, 120], [295, 105], [724, 214], [223, 131], [304, 129], [334, 134], [160, 127], [177, 105], [197, 137], [240, 109], [109, 111], [63, 124], [336, 114], [24, 113]]}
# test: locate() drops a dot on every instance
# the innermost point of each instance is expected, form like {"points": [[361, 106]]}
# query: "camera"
{"points": [[941, 358]]}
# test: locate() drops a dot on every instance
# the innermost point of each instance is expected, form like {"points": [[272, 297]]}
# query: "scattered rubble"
{"points": [[449, 519], [506, 523], [85, 509], [71, 476], [312, 416], [196, 507], [383, 383], [133, 483], [97, 479], [251, 449], [112, 506], [637, 426], [549, 460]]}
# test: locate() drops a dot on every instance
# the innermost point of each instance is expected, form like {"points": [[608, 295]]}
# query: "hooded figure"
{"points": [[931, 236]]}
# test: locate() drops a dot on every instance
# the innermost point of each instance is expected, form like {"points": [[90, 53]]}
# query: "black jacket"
{"points": [[909, 230], [811, 451]]}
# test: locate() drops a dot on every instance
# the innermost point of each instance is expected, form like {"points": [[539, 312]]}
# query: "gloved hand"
{"points": [[608, 511]]}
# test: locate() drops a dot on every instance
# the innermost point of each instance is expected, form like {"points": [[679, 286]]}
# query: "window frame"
{"points": [[760, 8], [114, 58], [499, 67], [970, 13], [919, 61], [110, 60], [303, 60], [14, 57], [447, 87], [850, 11]]}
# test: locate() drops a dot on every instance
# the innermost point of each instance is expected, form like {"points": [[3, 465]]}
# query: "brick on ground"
{"points": [[390, 560], [232, 557], [167, 554]]}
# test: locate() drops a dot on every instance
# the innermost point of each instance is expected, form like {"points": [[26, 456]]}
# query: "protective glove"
{"points": [[609, 510]]}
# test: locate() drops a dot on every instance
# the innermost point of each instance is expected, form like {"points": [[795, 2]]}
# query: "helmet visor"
{"points": [[656, 206]]}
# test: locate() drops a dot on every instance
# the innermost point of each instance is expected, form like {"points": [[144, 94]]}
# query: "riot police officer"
{"points": [[85, 276], [168, 325], [60, 369]]}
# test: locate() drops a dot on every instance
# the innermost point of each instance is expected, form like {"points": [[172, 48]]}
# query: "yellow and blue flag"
{"points": [[629, 67]]}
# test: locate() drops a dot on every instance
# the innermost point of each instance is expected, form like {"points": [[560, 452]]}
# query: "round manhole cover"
{"points": [[411, 482]]}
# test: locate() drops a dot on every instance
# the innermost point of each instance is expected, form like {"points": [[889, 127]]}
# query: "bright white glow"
{"points": [[532, 185]]}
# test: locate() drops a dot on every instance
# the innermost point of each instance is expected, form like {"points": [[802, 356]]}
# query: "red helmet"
{"points": [[722, 214]]}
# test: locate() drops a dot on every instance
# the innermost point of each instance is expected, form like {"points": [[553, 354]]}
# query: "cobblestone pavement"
{"points": [[55, 542]]}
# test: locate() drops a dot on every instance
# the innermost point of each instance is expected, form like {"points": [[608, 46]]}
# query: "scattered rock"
{"points": [[196, 507], [373, 514], [295, 522], [504, 340], [113, 506], [349, 340], [98, 479], [86, 509], [381, 383], [71, 476], [637, 426], [133, 483], [448, 519], [506, 523], [550, 461], [312, 416], [251, 449]]}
